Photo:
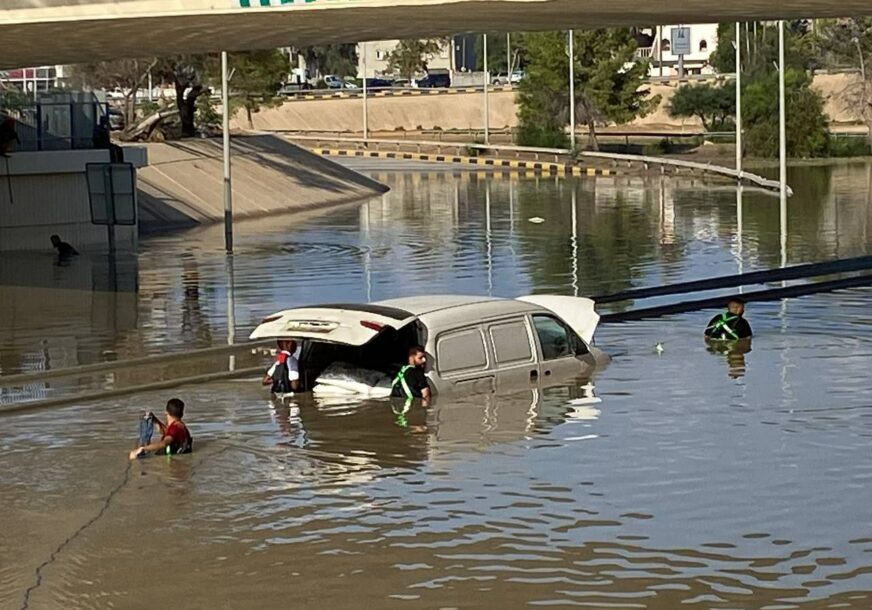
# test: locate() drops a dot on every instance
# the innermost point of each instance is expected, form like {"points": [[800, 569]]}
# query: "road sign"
{"points": [[680, 41]]}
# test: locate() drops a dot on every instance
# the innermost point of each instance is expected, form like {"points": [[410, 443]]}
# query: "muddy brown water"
{"points": [[684, 479]]}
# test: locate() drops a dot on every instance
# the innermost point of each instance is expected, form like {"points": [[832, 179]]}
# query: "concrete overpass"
{"points": [[36, 32]]}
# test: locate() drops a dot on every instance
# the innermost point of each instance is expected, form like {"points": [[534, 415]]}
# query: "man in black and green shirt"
{"points": [[411, 382], [730, 325]]}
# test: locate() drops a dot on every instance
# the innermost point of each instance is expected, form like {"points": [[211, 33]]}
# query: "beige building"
{"points": [[372, 58]]}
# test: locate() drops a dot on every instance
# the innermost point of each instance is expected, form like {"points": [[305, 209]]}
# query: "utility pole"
{"points": [[571, 90], [225, 129], [509, 57], [486, 101], [782, 145], [738, 101], [365, 111]]}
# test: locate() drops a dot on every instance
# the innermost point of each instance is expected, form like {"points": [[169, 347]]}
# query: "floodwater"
{"points": [[681, 479]]}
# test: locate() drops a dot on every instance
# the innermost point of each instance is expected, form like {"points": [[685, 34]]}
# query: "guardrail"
{"points": [[322, 94], [557, 153]]}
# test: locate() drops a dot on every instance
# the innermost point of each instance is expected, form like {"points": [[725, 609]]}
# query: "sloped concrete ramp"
{"points": [[183, 183]]}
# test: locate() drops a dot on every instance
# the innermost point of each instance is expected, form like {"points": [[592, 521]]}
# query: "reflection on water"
{"points": [[691, 476]]}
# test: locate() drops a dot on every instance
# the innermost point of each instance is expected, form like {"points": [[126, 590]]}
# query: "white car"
{"points": [[473, 344]]}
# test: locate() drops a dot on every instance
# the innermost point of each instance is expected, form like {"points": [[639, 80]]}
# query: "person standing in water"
{"points": [[731, 324], [284, 375]]}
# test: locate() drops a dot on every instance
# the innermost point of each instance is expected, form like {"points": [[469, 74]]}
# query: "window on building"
{"points": [[703, 46], [379, 54], [664, 45]]}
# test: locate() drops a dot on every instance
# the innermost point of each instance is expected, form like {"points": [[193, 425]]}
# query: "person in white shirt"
{"points": [[284, 375]]}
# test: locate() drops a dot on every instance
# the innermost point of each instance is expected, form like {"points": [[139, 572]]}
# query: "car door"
{"points": [[561, 352], [463, 361], [514, 353]]}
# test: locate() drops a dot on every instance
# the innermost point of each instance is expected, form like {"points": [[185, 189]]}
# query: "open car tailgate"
{"points": [[347, 324]]}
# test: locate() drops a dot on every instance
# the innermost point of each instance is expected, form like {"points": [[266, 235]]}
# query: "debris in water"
{"points": [[659, 348], [536, 220]]}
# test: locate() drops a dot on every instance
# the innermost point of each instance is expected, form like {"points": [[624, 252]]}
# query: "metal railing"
{"points": [[58, 122]]}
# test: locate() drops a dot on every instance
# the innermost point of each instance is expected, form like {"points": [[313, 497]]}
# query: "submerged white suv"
{"points": [[474, 344]]}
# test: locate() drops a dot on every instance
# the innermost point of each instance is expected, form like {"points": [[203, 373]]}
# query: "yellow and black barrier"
{"points": [[505, 165]]}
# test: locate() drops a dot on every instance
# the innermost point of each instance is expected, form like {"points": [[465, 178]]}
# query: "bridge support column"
{"points": [[225, 129]]}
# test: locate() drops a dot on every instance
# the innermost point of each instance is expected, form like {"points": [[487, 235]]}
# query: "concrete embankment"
{"points": [[463, 111], [183, 183]]}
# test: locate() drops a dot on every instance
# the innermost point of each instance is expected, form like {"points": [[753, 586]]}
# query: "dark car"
{"points": [[292, 89], [378, 83], [435, 79]]}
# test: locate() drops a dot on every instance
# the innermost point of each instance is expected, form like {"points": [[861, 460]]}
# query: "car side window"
{"points": [[461, 351], [555, 339], [511, 342]]}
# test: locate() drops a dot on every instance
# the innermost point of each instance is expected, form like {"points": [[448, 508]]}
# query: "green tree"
{"points": [[608, 84], [338, 59], [848, 42], [410, 57], [714, 105], [186, 73], [807, 134], [257, 75]]}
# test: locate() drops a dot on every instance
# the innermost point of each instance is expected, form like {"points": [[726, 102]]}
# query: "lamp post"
{"points": [[571, 90], [486, 101], [225, 129]]}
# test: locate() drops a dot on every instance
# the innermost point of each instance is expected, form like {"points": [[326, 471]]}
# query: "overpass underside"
{"points": [[36, 32]]}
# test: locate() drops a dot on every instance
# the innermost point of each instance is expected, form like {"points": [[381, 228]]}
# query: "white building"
{"points": [[703, 42], [372, 58], [36, 80]]}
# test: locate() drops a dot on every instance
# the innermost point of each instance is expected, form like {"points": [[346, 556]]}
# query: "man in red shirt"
{"points": [[175, 437]]}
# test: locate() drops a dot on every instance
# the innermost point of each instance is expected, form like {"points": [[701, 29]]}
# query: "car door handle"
{"points": [[534, 374]]}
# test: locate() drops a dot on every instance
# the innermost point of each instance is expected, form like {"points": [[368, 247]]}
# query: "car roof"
{"points": [[424, 304]]}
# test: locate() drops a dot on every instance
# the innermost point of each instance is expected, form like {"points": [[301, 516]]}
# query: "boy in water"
{"points": [[730, 325], [284, 375], [175, 437]]}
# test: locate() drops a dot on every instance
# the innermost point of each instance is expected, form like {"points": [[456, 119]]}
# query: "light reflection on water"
{"points": [[685, 485]]}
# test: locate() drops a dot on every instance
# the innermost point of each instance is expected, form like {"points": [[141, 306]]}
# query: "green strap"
{"points": [[401, 379], [723, 324]]}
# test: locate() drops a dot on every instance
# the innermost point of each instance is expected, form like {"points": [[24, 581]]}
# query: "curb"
{"points": [[511, 165]]}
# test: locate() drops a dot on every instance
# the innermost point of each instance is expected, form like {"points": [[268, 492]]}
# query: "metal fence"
{"points": [[64, 121]]}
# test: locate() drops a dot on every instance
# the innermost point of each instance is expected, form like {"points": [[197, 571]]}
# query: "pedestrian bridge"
{"points": [[37, 32]]}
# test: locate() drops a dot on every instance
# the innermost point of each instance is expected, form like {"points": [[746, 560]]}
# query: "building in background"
{"points": [[374, 56], [656, 44], [41, 79]]}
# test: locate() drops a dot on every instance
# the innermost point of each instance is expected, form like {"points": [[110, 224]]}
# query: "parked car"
{"points": [[293, 89], [473, 344], [333, 81], [435, 78], [374, 84], [517, 76], [500, 78]]}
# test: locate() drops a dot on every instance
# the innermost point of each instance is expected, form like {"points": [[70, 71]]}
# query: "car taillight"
{"points": [[372, 325]]}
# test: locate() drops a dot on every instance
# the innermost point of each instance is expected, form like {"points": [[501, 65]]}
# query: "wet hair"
{"points": [[417, 349], [737, 300], [54, 238], [176, 407]]}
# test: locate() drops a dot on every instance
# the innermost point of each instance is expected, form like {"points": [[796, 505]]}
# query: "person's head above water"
{"points": [[417, 356], [55, 240], [175, 408], [288, 345], [736, 306]]}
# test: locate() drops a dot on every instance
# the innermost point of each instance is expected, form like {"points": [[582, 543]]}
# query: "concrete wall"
{"points": [[42, 193], [464, 111]]}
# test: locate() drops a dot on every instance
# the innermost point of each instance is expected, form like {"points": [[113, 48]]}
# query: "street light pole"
{"points": [[225, 129], [571, 90], [738, 102], [486, 101], [782, 145], [365, 112], [509, 57]]}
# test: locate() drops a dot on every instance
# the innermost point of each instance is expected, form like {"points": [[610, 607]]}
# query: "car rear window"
{"points": [[511, 342], [461, 351]]}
